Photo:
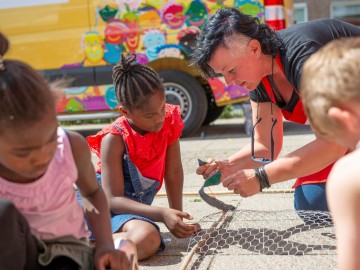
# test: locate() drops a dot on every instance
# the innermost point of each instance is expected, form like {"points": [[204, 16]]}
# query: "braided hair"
{"points": [[227, 22], [134, 82]]}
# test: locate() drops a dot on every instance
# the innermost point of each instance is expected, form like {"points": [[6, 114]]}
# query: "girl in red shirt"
{"points": [[137, 152]]}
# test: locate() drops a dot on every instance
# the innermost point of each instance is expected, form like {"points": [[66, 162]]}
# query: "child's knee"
{"points": [[149, 245], [142, 231], [146, 237], [149, 238], [153, 238]]}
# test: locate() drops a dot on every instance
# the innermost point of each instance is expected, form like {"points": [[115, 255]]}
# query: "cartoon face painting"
{"points": [[173, 15], [153, 37], [148, 18], [110, 97], [151, 53], [187, 39], [131, 20], [112, 53], [169, 52], [196, 14], [115, 31], [93, 46]]}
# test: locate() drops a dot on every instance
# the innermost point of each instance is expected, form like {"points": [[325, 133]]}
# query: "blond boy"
{"points": [[330, 88]]}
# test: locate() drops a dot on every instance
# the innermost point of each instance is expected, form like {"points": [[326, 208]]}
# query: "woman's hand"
{"points": [[243, 182], [211, 166], [173, 220], [110, 259], [207, 168]]}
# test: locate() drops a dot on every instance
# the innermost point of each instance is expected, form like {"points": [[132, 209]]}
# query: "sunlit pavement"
{"points": [[264, 232], [260, 233]]}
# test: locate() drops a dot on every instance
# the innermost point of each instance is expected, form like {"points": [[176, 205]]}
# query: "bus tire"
{"points": [[213, 113], [184, 90]]}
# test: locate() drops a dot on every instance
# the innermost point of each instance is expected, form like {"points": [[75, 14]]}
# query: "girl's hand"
{"points": [[173, 219], [243, 182], [110, 259]]}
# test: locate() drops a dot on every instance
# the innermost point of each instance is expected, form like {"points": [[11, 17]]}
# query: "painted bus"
{"points": [[82, 40]]}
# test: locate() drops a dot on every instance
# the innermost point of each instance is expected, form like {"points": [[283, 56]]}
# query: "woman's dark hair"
{"points": [[224, 23], [134, 82], [25, 95]]}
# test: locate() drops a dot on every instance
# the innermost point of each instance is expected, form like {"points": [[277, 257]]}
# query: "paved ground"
{"points": [[263, 232]]}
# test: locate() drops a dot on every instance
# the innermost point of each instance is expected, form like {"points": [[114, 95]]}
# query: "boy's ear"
{"points": [[347, 119], [123, 111]]}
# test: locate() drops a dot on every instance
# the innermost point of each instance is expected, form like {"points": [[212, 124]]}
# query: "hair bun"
{"points": [[124, 66], [126, 63]]}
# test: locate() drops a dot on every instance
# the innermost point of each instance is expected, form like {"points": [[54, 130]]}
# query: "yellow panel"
{"points": [[46, 36]]}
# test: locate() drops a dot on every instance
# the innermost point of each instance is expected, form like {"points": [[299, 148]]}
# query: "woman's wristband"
{"points": [[262, 177]]}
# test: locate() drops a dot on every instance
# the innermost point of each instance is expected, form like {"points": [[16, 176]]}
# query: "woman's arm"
{"points": [[174, 176], [307, 160], [242, 159]]}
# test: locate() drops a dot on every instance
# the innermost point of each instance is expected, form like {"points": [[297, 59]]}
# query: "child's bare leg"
{"points": [[143, 234]]}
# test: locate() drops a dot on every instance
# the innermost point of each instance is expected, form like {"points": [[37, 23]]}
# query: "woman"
{"points": [[269, 65]]}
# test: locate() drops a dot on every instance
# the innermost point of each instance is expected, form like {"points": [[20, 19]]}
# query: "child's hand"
{"points": [[173, 221], [111, 259]]}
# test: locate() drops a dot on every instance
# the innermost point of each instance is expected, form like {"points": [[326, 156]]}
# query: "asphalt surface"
{"points": [[263, 232]]}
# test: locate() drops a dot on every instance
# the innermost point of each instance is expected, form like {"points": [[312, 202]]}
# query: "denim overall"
{"points": [[137, 188]]}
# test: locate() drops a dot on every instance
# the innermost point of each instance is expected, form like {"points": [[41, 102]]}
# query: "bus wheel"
{"points": [[213, 113], [184, 90]]}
